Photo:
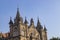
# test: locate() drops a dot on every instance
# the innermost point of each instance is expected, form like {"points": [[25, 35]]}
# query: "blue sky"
{"points": [[48, 12]]}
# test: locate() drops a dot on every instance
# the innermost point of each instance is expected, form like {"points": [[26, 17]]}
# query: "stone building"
{"points": [[20, 30]]}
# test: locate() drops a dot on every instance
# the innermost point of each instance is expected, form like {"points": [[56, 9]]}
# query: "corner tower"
{"points": [[39, 28], [15, 27]]}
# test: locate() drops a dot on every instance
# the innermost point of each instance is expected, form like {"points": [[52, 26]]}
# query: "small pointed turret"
{"points": [[31, 21], [11, 22], [39, 24], [45, 28], [26, 22]]}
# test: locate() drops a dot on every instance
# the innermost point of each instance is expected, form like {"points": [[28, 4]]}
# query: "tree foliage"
{"points": [[54, 38]]}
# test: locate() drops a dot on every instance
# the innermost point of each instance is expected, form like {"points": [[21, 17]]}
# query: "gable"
{"points": [[33, 31]]}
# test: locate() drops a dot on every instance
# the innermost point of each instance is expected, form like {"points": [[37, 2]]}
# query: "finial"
{"points": [[18, 5], [38, 22], [31, 21], [38, 19], [11, 22], [17, 9], [26, 21], [45, 28]]}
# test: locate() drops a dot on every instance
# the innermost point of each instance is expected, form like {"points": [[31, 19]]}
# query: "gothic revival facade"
{"points": [[20, 30]]}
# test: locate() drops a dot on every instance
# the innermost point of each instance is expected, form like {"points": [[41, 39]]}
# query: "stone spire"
{"points": [[18, 18], [11, 22], [31, 21], [39, 24], [18, 14], [26, 22], [45, 28]]}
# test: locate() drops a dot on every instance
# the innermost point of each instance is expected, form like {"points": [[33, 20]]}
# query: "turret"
{"points": [[11, 22], [11, 26], [26, 26], [39, 28], [45, 28], [31, 21], [39, 24], [26, 22]]}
